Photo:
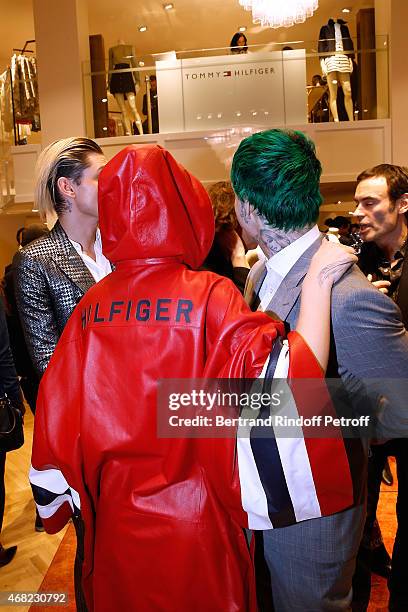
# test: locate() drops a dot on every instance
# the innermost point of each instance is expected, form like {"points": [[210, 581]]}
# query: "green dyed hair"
{"points": [[278, 173]]}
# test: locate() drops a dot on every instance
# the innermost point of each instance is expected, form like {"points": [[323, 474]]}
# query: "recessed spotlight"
{"points": [[142, 28], [346, 10], [338, 201], [105, 129], [104, 100], [168, 6], [141, 63], [242, 29]]}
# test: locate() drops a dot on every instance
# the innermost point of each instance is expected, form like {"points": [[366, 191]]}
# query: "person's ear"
{"points": [[403, 203], [65, 187]]}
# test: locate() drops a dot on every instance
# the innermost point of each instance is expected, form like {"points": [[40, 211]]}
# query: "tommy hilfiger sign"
{"points": [[256, 89], [229, 73]]}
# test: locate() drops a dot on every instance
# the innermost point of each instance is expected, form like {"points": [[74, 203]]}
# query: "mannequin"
{"points": [[335, 38], [125, 85]]}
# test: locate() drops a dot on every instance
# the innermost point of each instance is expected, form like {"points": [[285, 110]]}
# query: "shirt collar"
{"points": [[97, 243], [400, 254], [283, 262]]}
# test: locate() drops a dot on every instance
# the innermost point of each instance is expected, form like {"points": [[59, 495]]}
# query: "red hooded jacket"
{"points": [[163, 516]]}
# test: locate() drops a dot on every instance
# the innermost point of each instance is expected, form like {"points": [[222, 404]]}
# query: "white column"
{"points": [[62, 42]]}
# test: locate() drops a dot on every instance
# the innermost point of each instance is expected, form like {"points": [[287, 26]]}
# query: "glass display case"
{"points": [[272, 85]]}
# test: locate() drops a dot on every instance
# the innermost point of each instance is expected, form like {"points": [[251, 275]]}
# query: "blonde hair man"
{"points": [[54, 272]]}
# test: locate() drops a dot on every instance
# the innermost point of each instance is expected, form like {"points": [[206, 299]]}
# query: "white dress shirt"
{"points": [[338, 37], [99, 268], [279, 265]]}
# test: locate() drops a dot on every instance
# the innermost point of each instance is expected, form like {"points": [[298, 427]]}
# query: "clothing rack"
{"points": [[24, 49]]}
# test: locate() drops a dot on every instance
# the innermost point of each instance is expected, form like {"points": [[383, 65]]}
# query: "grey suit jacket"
{"points": [[50, 280], [369, 341]]}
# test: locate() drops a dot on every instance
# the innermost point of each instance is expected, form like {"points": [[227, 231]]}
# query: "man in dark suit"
{"points": [[53, 273], [275, 175], [382, 208]]}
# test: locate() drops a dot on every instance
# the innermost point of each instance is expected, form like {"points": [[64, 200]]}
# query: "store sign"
{"points": [[259, 89]]}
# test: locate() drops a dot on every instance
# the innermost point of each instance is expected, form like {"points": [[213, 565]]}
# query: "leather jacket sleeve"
{"points": [[36, 311], [323, 46]]}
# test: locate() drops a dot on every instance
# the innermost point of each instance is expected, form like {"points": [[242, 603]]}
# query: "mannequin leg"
{"points": [[120, 99], [131, 98], [332, 81], [344, 79]]}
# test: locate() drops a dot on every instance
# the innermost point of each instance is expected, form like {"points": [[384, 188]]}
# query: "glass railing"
{"points": [[279, 84], [6, 137]]}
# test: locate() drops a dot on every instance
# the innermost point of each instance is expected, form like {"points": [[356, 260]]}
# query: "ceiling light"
{"points": [[242, 29], [168, 6], [142, 28], [278, 14], [141, 63], [338, 201], [346, 10], [104, 100]]}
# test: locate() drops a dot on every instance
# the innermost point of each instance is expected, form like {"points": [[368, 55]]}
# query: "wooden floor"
{"points": [[36, 550]]}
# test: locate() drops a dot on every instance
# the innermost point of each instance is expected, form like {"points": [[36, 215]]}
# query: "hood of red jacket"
{"points": [[151, 207]]}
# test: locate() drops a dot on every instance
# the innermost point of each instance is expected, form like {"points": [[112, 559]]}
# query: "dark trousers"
{"points": [[398, 582], [30, 386], [79, 560]]}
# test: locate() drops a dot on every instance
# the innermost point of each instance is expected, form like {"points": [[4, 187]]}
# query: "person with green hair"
{"points": [[275, 175]]}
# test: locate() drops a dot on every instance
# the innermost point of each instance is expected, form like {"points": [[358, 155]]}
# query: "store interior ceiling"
{"points": [[191, 24]]}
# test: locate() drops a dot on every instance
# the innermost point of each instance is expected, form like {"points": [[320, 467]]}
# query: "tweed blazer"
{"points": [[50, 280]]}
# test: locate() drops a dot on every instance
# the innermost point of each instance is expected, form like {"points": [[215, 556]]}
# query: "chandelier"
{"points": [[280, 13]]}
